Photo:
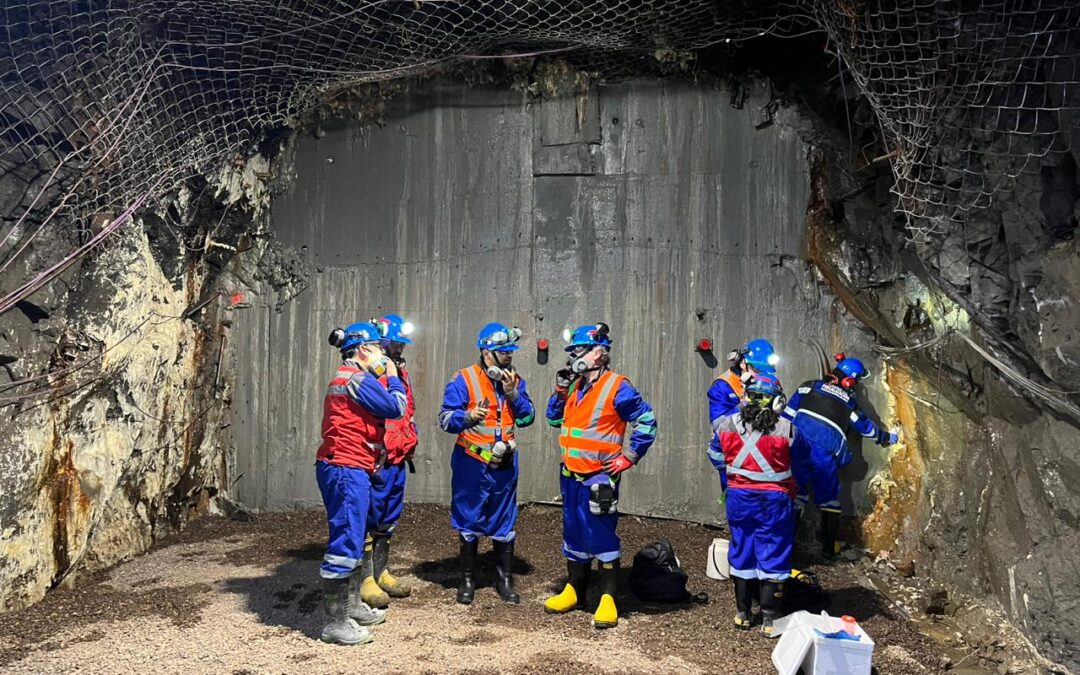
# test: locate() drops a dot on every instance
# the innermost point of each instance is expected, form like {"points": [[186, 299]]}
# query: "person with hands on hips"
{"points": [[593, 406], [483, 404]]}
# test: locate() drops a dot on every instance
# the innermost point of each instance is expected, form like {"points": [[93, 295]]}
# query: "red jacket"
{"points": [[754, 460], [352, 436], [400, 437]]}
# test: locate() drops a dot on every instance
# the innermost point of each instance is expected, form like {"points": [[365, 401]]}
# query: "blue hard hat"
{"points": [[498, 337], [853, 368], [356, 334], [766, 384], [392, 328], [592, 335], [760, 355]]}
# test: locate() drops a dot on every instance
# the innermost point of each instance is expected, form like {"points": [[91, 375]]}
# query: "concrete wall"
{"points": [[655, 207]]}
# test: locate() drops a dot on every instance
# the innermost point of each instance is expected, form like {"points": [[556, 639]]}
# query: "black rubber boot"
{"points": [[772, 604], [504, 579], [577, 575], [745, 591], [467, 556], [830, 527]]}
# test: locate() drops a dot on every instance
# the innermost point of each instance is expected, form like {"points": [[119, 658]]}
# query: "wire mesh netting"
{"points": [[106, 105]]}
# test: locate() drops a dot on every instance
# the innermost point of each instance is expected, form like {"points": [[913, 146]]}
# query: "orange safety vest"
{"points": [[477, 440], [592, 431], [733, 381]]}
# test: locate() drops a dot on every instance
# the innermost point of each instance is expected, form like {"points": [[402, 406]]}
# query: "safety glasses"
{"points": [[502, 338]]}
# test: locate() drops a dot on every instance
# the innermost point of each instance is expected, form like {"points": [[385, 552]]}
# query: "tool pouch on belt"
{"points": [[602, 499]]}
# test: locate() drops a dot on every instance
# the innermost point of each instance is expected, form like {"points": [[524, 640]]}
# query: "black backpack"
{"points": [[657, 576], [804, 592]]}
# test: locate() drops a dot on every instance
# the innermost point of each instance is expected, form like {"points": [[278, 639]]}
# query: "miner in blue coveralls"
{"points": [[355, 410], [483, 404], [823, 412], [756, 442], [592, 407], [388, 482], [726, 393]]}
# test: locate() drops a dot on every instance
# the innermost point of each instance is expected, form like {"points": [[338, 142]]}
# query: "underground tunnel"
{"points": [[194, 196]]}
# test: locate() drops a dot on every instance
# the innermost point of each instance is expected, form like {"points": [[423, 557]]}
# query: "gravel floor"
{"points": [[241, 597]]}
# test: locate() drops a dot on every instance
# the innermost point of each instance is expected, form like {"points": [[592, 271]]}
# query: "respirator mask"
{"points": [[492, 343], [496, 369], [578, 362]]}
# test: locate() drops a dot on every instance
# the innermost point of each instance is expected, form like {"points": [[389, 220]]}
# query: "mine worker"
{"points": [[388, 482], [726, 392], [355, 411], [756, 442], [593, 407], [822, 412], [483, 404]]}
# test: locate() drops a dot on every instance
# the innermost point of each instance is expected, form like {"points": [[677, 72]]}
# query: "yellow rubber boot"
{"points": [[393, 586], [563, 602], [606, 616], [577, 580], [369, 588], [372, 594]]}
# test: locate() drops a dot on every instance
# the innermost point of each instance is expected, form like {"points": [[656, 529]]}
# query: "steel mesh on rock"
{"points": [[106, 103]]}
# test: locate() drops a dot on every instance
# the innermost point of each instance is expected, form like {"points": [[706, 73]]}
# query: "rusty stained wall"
{"points": [[656, 207]]}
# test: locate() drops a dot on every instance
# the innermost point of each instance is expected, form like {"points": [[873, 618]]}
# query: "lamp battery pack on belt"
{"points": [[500, 455], [602, 496]]}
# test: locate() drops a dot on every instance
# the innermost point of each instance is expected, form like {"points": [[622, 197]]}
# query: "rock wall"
{"points": [[112, 400], [980, 493]]}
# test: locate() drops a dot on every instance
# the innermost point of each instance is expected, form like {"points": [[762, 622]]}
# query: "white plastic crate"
{"points": [[801, 647]]}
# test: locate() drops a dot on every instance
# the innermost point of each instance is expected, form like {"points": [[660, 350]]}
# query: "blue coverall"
{"points": [[483, 499], [822, 414], [585, 535]]}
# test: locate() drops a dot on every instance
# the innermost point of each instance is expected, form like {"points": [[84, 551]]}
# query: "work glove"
{"points": [[890, 439], [613, 467], [563, 380]]}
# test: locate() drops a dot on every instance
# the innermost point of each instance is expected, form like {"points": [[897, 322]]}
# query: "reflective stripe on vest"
{"points": [[584, 446], [499, 422], [750, 449]]}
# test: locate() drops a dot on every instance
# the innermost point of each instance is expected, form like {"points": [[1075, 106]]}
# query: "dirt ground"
{"points": [[242, 597]]}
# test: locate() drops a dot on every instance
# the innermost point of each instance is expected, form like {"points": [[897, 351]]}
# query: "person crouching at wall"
{"points": [[482, 404], [388, 483], [756, 443], [355, 411]]}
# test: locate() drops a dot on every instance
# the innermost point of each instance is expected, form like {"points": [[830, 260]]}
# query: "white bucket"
{"points": [[716, 567]]}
